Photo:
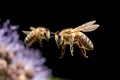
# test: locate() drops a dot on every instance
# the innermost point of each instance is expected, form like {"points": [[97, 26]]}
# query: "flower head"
{"points": [[23, 62]]}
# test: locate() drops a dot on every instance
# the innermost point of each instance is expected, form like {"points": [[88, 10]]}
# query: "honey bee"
{"points": [[36, 34], [71, 36]]}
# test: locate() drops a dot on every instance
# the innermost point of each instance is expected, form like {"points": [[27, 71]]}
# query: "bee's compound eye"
{"points": [[59, 36], [44, 34]]}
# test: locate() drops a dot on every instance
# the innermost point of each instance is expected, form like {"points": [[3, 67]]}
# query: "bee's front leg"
{"points": [[63, 51], [47, 39], [71, 47]]}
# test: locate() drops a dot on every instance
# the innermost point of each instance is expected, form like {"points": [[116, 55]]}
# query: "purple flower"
{"points": [[31, 58]]}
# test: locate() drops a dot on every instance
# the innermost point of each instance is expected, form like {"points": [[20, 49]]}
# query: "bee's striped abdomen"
{"points": [[85, 41], [30, 37]]}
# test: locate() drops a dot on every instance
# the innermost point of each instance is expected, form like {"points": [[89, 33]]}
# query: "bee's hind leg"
{"points": [[84, 52], [71, 47], [40, 42], [82, 49]]}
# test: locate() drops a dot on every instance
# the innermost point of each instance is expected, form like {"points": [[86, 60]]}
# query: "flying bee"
{"points": [[36, 34], [71, 36]]}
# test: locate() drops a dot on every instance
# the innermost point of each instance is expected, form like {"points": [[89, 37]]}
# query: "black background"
{"points": [[69, 67]]}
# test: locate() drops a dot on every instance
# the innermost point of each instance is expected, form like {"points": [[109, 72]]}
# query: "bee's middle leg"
{"points": [[40, 42], [71, 47]]}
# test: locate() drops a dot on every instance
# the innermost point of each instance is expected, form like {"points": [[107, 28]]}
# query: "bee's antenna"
{"points": [[51, 36], [52, 33]]}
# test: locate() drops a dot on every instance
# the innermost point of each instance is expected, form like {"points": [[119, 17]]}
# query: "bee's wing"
{"points": [[26, 32], [87, 27], [32, 28]]}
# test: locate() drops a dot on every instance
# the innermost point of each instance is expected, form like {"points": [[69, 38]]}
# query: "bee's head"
{"points": [[58, 38]]}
